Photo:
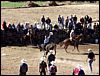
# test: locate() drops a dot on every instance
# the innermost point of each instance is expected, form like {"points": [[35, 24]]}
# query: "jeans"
{"points": [[90, 61]]}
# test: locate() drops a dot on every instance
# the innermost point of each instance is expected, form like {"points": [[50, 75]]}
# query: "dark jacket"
{"points": [[42, 66], [91, 55], [51, 57], [23, 67]]}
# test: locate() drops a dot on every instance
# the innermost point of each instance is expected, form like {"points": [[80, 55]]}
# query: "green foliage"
{"points": [[12, 4]]}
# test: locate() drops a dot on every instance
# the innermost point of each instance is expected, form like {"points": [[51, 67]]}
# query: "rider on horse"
{"points": [[47, 39], [72, 35]]}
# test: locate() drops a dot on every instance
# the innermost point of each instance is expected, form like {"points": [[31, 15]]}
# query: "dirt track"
{"points": [[65, 61]]}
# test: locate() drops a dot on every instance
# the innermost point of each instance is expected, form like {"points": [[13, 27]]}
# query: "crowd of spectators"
{"points": [[84, 26]]}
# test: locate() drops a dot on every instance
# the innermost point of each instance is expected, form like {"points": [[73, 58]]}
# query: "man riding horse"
{"points": [[47, 39], [72, 36]]}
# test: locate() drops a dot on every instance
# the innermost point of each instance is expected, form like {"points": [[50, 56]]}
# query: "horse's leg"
{"points": [[65, 47], [74, 48]]}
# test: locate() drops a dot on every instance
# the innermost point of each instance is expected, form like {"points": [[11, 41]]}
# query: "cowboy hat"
{"points": [[89, 50], [51, 33], [42, 58], [23, 61], [51, 51], [52, 62]]}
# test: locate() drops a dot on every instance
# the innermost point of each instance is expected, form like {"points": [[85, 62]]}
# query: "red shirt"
{"points": [[76, 71]]}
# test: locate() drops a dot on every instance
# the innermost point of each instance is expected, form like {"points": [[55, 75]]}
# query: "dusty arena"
{"points": [[12, 55]]}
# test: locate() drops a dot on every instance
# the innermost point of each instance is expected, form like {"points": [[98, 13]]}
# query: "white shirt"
{"points": [[71, 34]]}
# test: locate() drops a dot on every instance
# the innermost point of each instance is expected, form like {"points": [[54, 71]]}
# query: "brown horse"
{"points": [[68, 42], [50, 46]]}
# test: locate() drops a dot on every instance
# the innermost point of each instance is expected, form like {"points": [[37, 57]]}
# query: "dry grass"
{"points": [[34, 14]]}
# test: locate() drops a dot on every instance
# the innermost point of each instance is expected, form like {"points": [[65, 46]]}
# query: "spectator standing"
{"points": [[90, 20], [78, 70], [42, 67], [43, 21], [4, 26], [91, 58], [71, 17], [62, 22], [75, 19], [59, 19], [82, 21], [51, 58], [70, 24], [9, 26], [53, 68], [86, 19], [26, 25], [66, 22], [81, 72], [13, 26], [48, 22], [23, 67]]}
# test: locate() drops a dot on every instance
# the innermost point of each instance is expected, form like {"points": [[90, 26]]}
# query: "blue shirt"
{"points": [[46, 40]]}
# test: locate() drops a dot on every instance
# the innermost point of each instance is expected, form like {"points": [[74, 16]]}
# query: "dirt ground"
{"points": [[11, 55], [33, 15]]}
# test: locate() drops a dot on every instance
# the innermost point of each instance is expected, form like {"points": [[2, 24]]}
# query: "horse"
{"points": [[50, 46], [68, 42]]}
